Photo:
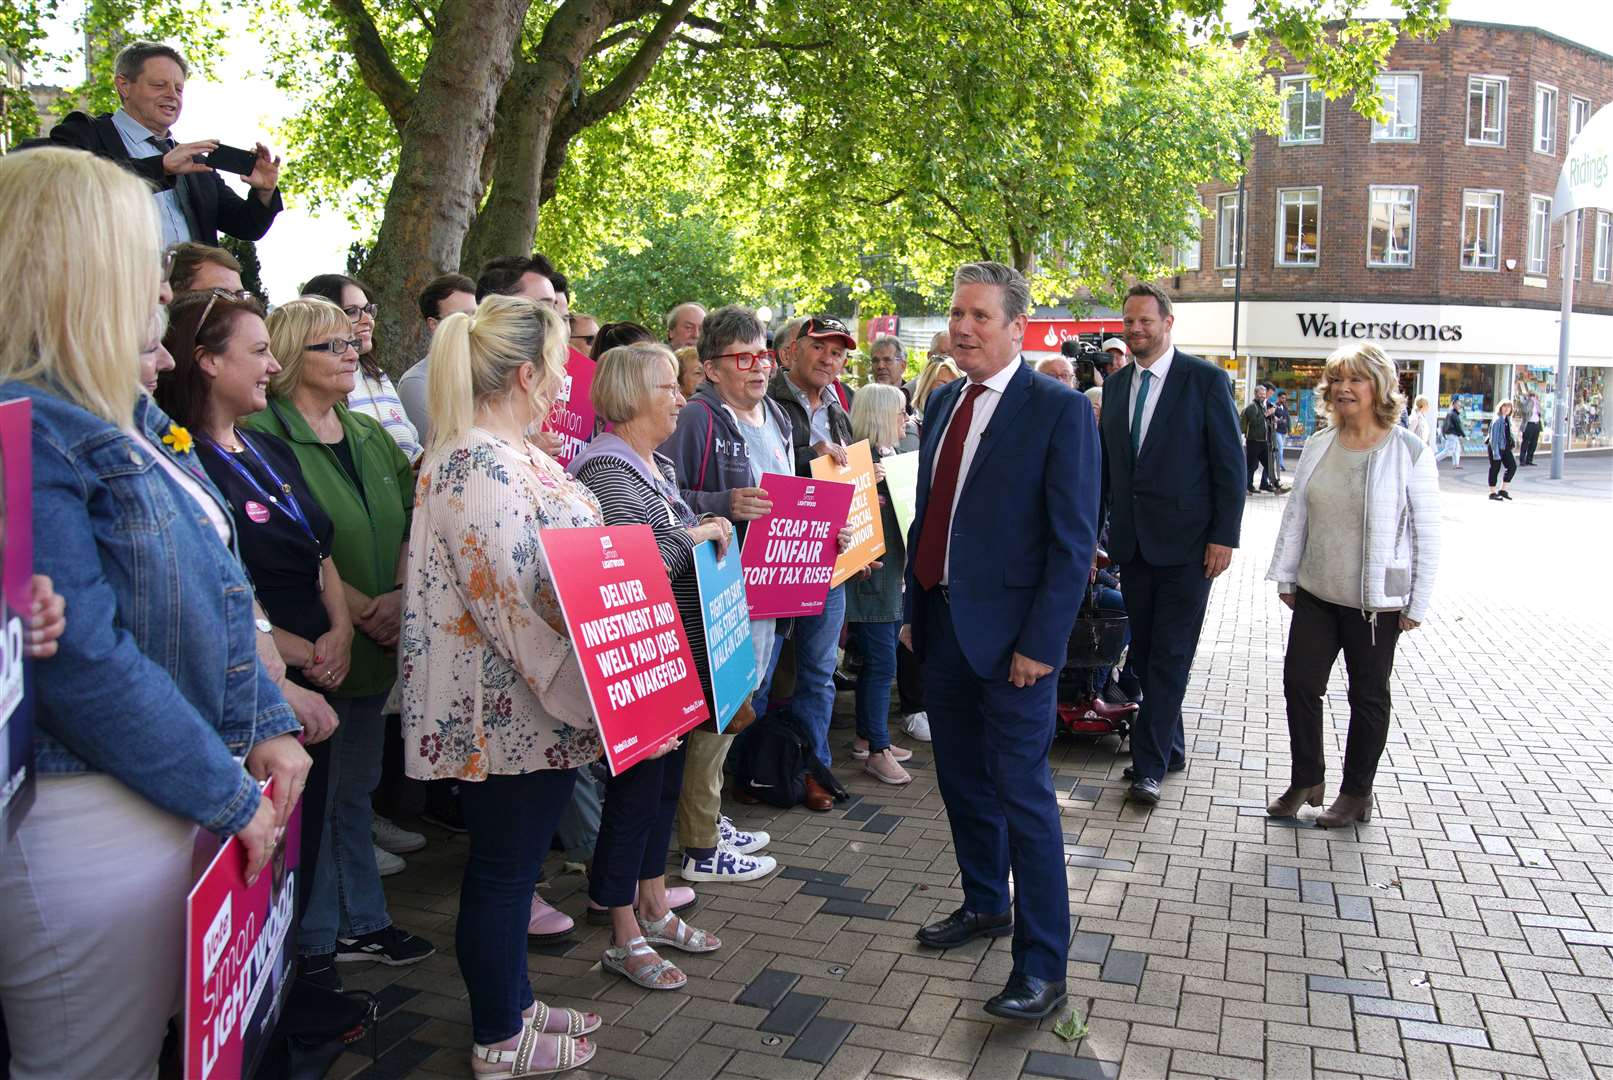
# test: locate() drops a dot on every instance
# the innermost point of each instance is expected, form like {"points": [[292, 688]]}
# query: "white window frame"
{"points": [[1230, 237], [1301, 89], [1411, 251], [1473, 82], [1188, 255], [1603, 262], [1537, 256], [1282, 226], [1385, 132], [1579, 114], [1499, 212], [1546, 98]]}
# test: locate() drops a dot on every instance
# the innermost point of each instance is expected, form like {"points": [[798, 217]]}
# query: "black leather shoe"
{"points": [[962, 927], [1130, 773], [1145, 790], [1025, 998]]}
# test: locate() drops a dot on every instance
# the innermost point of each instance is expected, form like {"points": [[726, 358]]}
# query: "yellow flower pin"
{"points": [[178, 439]]}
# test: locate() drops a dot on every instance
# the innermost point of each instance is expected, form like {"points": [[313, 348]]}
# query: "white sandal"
{"points": [[648, 976], [685, 937], [519, 1059], [577, 1023]]}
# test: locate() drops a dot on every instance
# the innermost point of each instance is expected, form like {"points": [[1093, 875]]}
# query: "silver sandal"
{"points": [[687, 938], [577, 1023], [649, 976], [520, 1058]]}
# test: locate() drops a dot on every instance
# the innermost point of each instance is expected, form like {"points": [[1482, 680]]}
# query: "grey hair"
{"points": [[672, 316], [726, 325], [789, 332], [132, 59], [892, 340], [1016, 291]]}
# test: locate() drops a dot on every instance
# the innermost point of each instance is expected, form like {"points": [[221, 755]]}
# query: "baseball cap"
{"points": [[1113, 343], [826, 326]]}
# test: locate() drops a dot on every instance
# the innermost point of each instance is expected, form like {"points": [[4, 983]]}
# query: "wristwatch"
{"points": [[264, 626]]}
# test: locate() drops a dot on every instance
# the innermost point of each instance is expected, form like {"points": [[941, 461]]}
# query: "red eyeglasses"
{"points": [[745, 361]]}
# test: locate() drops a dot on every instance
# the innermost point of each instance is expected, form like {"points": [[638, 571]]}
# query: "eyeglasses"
{"points": [[745, 361], [167, 259], [586, 339], [336, 346], [355, 311], [215, 295], [669, 389]]}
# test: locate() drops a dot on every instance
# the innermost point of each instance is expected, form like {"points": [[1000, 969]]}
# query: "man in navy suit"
{"points": [[1001, 545], [1173, 482]]}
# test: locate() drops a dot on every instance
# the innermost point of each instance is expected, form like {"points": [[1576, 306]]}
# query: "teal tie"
{"points": [[1137, 412]]}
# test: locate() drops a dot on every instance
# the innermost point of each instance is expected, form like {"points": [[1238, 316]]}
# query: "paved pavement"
{"points": [[1467, 931]]}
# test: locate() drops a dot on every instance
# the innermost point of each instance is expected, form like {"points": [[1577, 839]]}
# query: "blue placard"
{"points": [[727, 620]]}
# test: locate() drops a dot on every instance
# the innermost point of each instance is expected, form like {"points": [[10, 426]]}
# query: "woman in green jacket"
{"points": [[364, 483]]}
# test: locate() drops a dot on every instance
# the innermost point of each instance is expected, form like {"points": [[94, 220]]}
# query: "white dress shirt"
{"points": [[985, 406], [1159, 369]]}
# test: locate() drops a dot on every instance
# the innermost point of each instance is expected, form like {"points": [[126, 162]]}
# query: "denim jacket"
{"points": [[156, 680]]}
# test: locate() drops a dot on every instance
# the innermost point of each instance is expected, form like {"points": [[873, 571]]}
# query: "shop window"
{"points": [[1228, 225], [1391, 226], [1481, 230], [1602, 266], [1579, 114], [1299, 226], [1545, 118], [1400, 97], [1297, 380], [1539, 234], [1590, 395], [1477, 388], [1303, 106], [1486, 110]]}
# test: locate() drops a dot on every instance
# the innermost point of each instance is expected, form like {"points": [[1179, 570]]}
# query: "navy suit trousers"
{"points": [[1166, 607], [991, 743]]}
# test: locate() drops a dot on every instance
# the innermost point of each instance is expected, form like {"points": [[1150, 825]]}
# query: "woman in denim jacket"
{"points": [[156, 696]]}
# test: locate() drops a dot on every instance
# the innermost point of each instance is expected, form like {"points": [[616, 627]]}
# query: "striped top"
{"points": [[378, 398]]}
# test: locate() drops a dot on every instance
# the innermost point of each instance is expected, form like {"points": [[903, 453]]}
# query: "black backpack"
{"points": [[771, 760]]}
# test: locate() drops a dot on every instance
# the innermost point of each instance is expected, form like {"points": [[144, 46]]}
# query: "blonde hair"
{"points": [[78, 326], [879, 414], [295, 325], [1505, 403], [689, 370], [625, 377], [930, 379], [1372, 363], [476, 357], [1420, 404], [1095, 395]]}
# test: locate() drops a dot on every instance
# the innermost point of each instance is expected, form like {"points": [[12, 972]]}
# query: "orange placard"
{"points": [[867, 527]]}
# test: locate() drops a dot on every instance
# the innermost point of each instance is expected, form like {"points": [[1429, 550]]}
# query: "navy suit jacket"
{"points": [[1025, 526], [1186, 488]]}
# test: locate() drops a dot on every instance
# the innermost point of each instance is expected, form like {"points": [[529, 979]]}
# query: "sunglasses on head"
{"points": [[215, 295]]}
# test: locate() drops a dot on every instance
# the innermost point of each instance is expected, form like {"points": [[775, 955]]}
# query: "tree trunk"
{"points": [[433, 196]]}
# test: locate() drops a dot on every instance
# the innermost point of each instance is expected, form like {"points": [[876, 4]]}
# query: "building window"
{"points": [[1481, 230], [1545, 118], [1401, 98], [1186, 253], [1486, 110], [1539, 234], [1302, 110], [1391, 226], [1299, 226], [1227, 229], [1603, 263], [1579, 114]]}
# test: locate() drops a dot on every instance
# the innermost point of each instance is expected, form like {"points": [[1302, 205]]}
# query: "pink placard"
{"points": [[572, 417], [789, 555]]}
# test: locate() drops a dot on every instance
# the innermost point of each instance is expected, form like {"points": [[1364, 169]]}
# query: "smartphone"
{"points": [[230, 159]]}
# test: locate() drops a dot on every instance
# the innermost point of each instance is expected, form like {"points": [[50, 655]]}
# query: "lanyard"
{"points": [[290, 507]]}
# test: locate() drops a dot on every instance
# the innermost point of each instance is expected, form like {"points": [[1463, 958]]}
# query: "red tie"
{"points": [[932, 553]]}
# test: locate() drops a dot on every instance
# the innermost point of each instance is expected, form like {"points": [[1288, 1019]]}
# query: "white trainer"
{"points": [[388, 864], [917, 725], [733, 837], [390, 836], [727, 865]]}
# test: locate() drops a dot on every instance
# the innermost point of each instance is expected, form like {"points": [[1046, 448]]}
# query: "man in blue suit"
{"points": [[1001, 545], [1173, 483]]}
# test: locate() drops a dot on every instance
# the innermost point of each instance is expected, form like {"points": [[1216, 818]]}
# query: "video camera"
{"points": [[1088, 360]]}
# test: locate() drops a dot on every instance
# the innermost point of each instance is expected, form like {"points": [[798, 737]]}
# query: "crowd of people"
{"points": [[260, 553]]}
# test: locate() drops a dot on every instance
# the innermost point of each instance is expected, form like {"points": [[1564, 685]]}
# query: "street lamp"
{"points": [[765, 314]]}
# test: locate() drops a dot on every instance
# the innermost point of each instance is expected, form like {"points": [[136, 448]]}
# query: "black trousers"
{"points": [[1315, 636], [1166, 607], [1258, 455], [1531, 440], [1496, 464], [635, 827]]}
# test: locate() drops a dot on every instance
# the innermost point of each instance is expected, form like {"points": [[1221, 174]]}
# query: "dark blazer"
{"points": [[1186, 488], [210, 206], [1025, 527]]}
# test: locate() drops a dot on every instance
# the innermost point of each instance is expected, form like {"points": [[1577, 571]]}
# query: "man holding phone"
{"points": [[193, 201]]}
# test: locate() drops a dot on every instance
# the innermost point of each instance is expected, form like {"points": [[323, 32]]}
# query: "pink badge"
{"points": [[257, 512]]}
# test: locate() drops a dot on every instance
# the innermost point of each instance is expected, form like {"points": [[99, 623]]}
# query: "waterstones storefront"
{"points": [[1475, 356]]}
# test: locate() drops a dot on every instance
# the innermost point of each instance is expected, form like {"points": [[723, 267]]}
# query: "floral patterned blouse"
{"points": [[491, 685]]}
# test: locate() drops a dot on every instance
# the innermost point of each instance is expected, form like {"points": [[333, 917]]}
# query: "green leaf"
{"points": [[1072, 1028]]}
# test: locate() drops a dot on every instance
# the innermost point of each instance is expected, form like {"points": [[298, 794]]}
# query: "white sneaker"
{"points": [[387, 863], [727, 865], [917, 725], [736, 839], [389, 836]]}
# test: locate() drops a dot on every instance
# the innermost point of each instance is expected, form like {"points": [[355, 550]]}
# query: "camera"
{"points": [[1089, 361]]}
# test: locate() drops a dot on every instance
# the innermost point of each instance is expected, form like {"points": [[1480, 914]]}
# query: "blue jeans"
{"points": [[1278, 448], [345, 897], [877, 640], [511, 821], [817, 640]]}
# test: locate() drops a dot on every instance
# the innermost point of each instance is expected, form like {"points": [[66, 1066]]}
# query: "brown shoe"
{"points": [[1288, 803], [817, 797], [1346, 810], [742, 720]]}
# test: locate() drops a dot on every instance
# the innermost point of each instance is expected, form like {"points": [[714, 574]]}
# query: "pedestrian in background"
{"points": [[1531, 428], [1453, 433], [1420, 423], [1279, 432], [1355, 560], [1499, 446]]}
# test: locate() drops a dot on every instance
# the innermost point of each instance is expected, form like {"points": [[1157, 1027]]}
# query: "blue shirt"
{"points": [[170, 214]]}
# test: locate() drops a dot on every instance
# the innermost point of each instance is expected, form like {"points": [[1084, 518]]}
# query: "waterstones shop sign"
{"points": [[1314, 324]]}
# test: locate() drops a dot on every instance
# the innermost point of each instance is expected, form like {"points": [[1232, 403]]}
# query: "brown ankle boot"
{"points": [[1346, 810], [1288, 803]]}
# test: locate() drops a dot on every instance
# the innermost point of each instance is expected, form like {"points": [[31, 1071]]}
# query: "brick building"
{"points": [[1429, 232]]}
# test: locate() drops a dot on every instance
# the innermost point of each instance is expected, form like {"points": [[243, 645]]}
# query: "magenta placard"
{"points": [[789, 555], [17, 558], [572, 417]]}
